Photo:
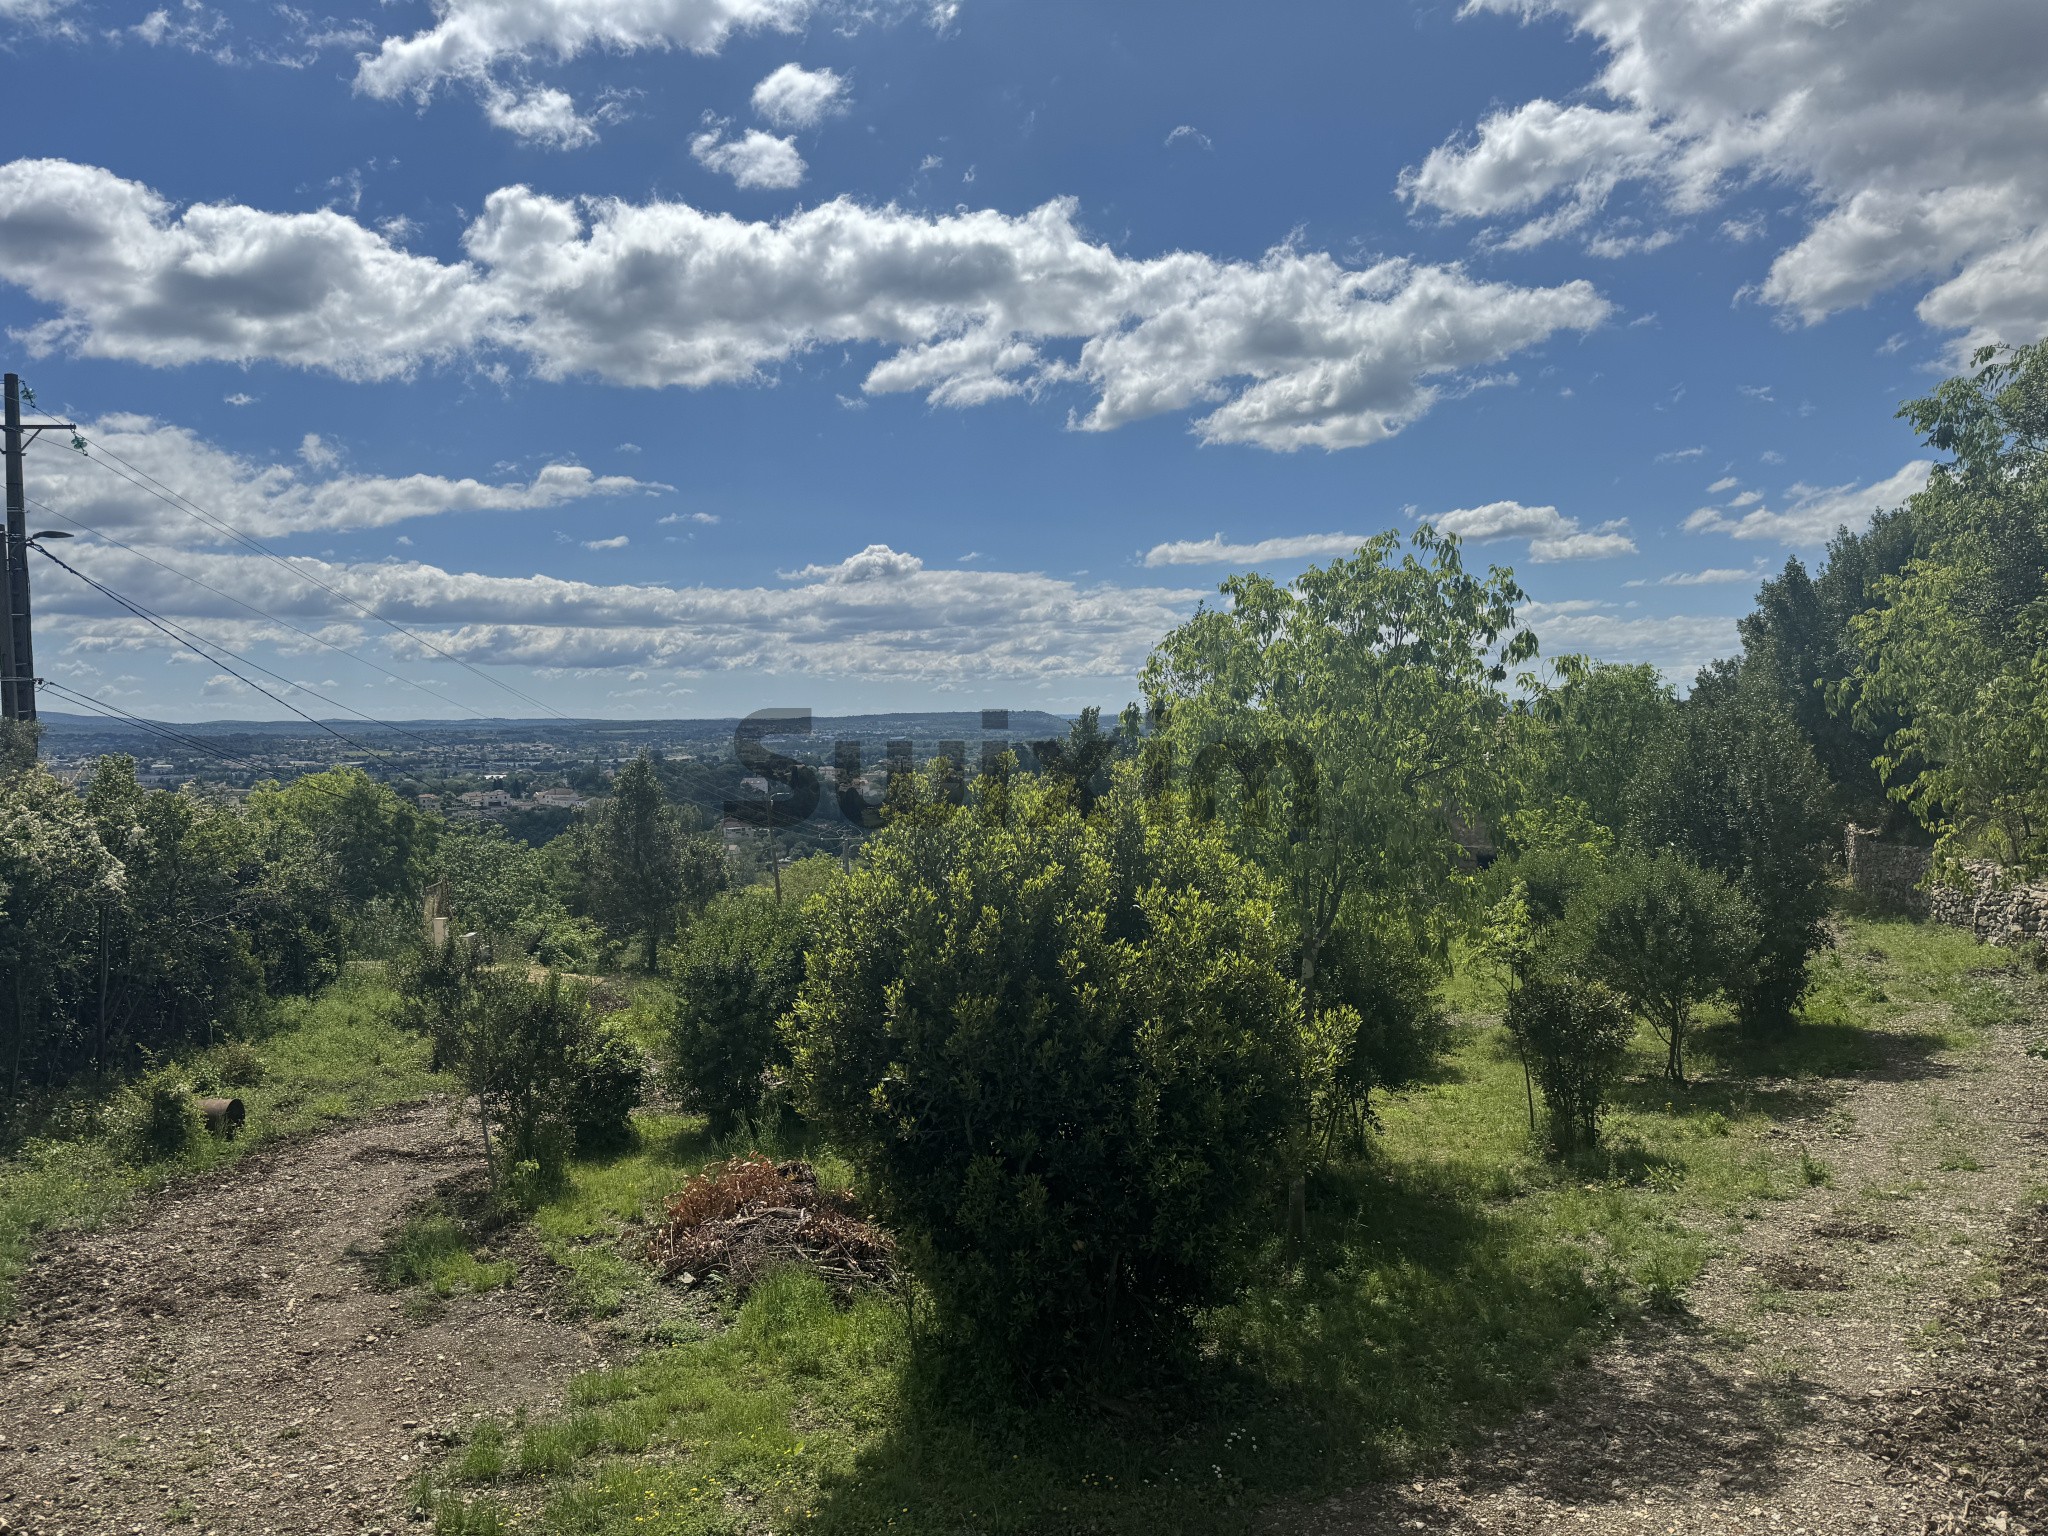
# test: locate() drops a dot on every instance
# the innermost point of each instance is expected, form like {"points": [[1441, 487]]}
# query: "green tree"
{"points": [[1343, 725], [1061, 1055], [1667, 935], [1737, 789], [1595, 723], [736, 974], [55, 877], [377, 843], [1955, 651], [634, 854]]}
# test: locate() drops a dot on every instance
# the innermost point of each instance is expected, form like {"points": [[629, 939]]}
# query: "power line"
{"points": [[397, 677], [155, 727], [142, 480], [167, 627]]}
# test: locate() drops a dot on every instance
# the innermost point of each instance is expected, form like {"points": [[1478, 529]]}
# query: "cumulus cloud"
{"points": [[619, 541], [1293, 350], [275, 500], [755, 159], [540, 115], [1910, 131], [1812, 513], [1214, 551], [1551, 535], [795, 97], [475, 41]]}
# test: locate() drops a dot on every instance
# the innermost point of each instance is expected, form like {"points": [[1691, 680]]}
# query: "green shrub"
{"points": [[236, 1064], [1667, 935], [1574, 1033], [157, 1118], [1062, 1056], [736, 975], [606, 1077]]}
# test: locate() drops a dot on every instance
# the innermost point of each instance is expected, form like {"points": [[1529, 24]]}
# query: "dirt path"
{"points": [[226, 1363], [1823, 1317]]}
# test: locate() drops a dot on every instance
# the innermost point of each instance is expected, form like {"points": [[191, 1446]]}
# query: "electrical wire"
{"points": [[140, 554], [142, 480], [157, 728], [169, 628]]}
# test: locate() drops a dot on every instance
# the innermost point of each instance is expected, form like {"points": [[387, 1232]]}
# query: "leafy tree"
{"points": [[736, 973], [55, 875], [1341, 725], [1081, 762], [175, 958], [1595, 723], [1576, 1032], [1061, 1055], [1667, 935], [1737, 789], [1383, 1025], [1955, 652], [377, 843]]}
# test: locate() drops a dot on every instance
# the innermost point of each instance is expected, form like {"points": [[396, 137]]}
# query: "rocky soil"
{"points": [[227, 1362]]}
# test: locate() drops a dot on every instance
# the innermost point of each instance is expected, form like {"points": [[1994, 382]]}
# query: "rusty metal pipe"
{"points": [[224, 1117]]}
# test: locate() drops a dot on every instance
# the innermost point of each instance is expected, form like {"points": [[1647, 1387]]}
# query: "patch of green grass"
{"points": [[322, 1059], [483, 1458], [432, 1249]]}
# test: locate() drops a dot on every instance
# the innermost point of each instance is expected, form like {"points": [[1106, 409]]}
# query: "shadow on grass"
{"points": [[1823, 1048], [1412, 1318]]}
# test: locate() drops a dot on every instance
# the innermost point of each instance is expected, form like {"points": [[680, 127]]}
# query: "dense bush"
{"points": [[1063, 1058], [157, 1117], [530, 1053], [1575, 1033], [736, 974], [1667, 935], [607, 1076], [1378, 1023]]}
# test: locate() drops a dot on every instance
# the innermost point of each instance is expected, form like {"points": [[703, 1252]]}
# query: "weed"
{"points": [[433, 1250], [1814, 1173], [483, 1459]]}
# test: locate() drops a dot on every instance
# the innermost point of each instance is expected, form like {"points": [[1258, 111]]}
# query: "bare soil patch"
{"points": [[226, 1361], [1855, 1360]]}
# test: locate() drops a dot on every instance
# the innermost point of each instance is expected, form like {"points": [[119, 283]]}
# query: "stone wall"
{"points": [[1996, 911], [1891, 875]]}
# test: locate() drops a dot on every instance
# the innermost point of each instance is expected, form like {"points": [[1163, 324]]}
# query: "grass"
{"points": [[322, 1059], [432, 1249], [1446, 1284]]}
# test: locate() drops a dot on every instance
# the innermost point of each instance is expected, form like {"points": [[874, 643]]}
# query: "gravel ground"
{"points": [[1775, 1403], [226, 1362]]}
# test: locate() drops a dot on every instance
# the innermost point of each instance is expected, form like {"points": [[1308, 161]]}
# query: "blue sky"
{"points": [[686, 357]]}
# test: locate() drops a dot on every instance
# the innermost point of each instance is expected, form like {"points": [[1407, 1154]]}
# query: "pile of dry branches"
{"points": [[747, 1216]]}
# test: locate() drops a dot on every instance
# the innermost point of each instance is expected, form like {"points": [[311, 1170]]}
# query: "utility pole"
{"points": [[17, 643]]}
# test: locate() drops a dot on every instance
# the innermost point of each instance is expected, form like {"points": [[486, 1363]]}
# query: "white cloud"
{"points": [[541, 115], [275, 500], [618, 542], [1725, 483], [1551, 535], [1676, 644], [1713, 576], [879, 614], [1910, 132], [795, 97], [238, 398], [755, 159], [1813, 513], [1294, 350], [471, 39], [688, 517], [1189, 135], [1679, 455], [1214, 551]]}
